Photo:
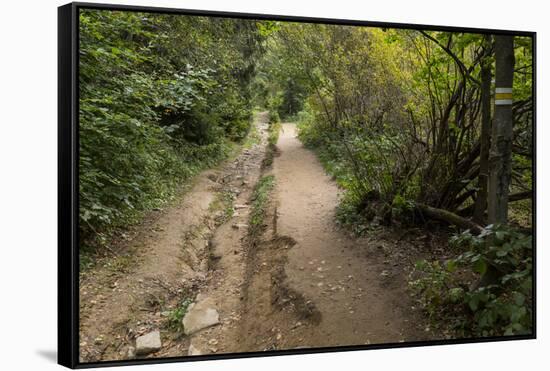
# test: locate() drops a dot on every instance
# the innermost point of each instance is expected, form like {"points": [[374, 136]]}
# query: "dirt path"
{"points": [[186, 249], [360, 300], [298, 281], [309, 283]]}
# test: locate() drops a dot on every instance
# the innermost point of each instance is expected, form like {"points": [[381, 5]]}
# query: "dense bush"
{"points": [[396, 117], [274, 128], [397, 112], [161, 96], [501, 305], [274, 117]]}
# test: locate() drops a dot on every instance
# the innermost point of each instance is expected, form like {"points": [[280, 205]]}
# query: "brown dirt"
{"points": [[301, 282], [124, 297], [171, 257], [312, 284]]}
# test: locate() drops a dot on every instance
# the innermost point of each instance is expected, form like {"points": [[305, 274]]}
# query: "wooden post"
{"points": [[500, 155]]}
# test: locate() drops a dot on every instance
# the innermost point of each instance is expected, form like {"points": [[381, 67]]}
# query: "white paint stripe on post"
{"points": [[503, 102], [503, 90]]}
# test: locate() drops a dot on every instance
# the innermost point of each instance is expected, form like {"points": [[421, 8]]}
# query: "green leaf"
{"points": [[480, 266], [456, 294], [501, 253], [451, 265], [473, 303], [519, 298]]}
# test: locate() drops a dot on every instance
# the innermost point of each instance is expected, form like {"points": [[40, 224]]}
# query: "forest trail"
{"points": [[348, 289], [169, 258], [357, 235], [301, 282], [314, 285]]}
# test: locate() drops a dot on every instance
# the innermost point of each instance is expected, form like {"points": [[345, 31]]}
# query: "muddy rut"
{"points": [[297, 281]]}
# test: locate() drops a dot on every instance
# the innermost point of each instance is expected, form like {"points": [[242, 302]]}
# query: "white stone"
{"points": [[131, 353], [148, 343], [193, 351], [199, 316]]}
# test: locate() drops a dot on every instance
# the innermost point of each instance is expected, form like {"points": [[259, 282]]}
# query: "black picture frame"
{"points": [[68, 204]]}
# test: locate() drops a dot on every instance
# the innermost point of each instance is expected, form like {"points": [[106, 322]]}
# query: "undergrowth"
{"points": [[176, 315], [224, 203], [458, 294], [274, 129], [260, 197]]}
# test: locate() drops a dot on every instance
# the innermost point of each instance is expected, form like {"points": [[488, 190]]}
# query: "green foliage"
{"points": [[176, 315], [274, 128], [351, 211], [353, 117], [329, 150], [274, 117], [354, 216], [293, 97], [224, 203], [274, 103], [396, 112], [260, 196], [252, 138], [500, 306], [365, 165], [161, 97], [435, 287]]}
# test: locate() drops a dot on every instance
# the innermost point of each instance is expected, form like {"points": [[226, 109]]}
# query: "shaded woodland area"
{"points": [[419, 128], [409, 123]]}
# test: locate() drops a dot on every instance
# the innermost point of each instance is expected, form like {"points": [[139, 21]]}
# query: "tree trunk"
{"points": [[500, 155], [481, 200], [501, 143]]}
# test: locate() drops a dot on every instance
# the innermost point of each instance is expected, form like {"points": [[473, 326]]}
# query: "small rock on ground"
{"points": [[131, 353], [148, 343], [193, 351], [199, 316]]}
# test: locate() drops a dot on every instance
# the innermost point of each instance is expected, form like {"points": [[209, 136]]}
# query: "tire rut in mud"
{"points": [[274, 314]]}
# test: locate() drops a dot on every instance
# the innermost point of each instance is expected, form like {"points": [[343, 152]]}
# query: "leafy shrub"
{"points": [[274, 117], [260, 197], [307, 131], [365, 165], [353, 216], [293, 97], [499, 306], [436, 287], [274, 102], [154, 109], [274, 128], [175, 316]]}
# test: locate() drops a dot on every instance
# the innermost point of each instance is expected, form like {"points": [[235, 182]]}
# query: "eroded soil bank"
{"points": [[190, 247]]}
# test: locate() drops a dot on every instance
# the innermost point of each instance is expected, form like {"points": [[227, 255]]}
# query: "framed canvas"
{"points": [[242, 185]]}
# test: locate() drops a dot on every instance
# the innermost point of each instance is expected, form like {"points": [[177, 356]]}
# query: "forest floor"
{"points": [[300, 281]]}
